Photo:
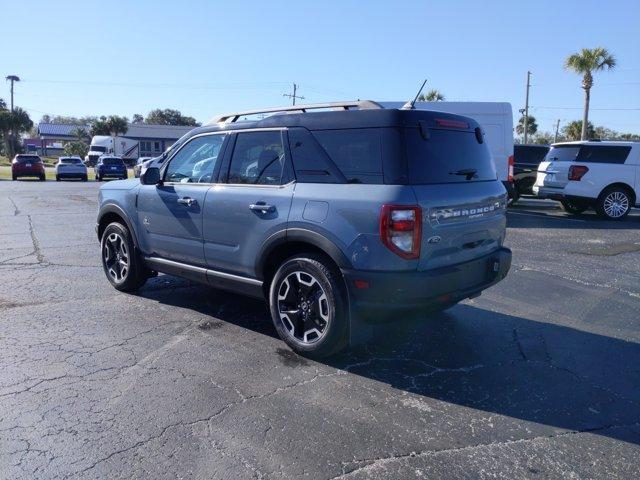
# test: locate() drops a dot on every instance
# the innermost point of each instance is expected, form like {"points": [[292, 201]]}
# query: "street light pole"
{"points": [[526, 108], [12, 79]]}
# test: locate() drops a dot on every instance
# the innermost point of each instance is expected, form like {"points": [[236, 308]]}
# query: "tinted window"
{"points": [[563, 153], [196, 161], [28, 159], [310, 161], [356, 152], [112, 161], [97, 148], [258, 158], [447, 156], [603, 153], [529, 154], [70, 160]]}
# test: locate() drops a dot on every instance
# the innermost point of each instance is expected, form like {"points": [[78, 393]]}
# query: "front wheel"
{"points": [[614, 203], [123, 267], [573, 207], [308, 306]]}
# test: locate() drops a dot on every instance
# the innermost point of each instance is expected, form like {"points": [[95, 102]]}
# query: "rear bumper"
{"points": [[390, 292], [71, 174], [28, 172], [111, 174]]}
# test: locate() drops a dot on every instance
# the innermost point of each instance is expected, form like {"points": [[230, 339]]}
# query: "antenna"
{"points": [[409, 105]]}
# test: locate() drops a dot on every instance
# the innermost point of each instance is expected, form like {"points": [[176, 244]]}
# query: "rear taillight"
{"points": [[576, 172], [401, 229], [511, 162]]}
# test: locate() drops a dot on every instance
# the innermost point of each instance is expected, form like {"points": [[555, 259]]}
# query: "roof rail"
{"points": [[359, 104]]}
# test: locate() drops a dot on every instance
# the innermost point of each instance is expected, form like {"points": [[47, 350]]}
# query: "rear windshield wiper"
{"points": [[469, 173]]}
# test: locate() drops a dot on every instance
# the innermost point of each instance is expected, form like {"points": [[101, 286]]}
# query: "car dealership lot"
{"points": [[537, 378]]}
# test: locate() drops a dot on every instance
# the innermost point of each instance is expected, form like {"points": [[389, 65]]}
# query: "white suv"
{"points": [[602, 175]]}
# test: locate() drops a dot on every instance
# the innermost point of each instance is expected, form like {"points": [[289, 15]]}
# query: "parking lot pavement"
{"points": [[537, 378]]}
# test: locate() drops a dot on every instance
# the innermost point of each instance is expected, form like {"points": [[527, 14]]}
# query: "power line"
{"points": [[293, 95], [580, 108]]}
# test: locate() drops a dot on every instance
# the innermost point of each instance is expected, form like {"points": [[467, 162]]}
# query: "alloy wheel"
{"points": [[616, 204], [303, 307], [116, 257]]}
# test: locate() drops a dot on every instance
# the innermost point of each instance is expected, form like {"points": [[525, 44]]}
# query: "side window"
{"points": [[603, 153], [196, 161], [310, 161], [258, 158], [356, 152]]}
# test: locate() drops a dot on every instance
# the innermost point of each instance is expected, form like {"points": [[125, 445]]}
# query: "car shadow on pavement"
{"points": [[561, 378], [547, 374]]}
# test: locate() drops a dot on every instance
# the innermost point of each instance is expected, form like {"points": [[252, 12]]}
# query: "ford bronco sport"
{"points": [[338, 217]]}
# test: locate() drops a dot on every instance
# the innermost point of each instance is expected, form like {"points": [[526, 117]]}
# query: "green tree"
{"points": [[80, 134], [137, 118], [169, 116], [76, 148], [574, 131], [432, 96], [3, 104], [117, 125], [586, 63], [532, 125], [12, 124], [99, 127]]}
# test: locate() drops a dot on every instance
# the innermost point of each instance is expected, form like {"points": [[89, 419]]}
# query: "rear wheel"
{"points": [[308, 306], [84, 179], [123, 267], [614, 203], [98, 178], [57, 178], [42, 178], [573, 207], [14, 177]]}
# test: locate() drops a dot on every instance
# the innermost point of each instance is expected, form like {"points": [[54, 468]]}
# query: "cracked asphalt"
{"points": [[537, 378]]}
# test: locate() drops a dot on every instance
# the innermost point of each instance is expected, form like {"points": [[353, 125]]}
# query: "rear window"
{"points": [[28, 158], [112, 161], [356, 152], [447, 156], [529, 154], [71, 160], [589, 153]]}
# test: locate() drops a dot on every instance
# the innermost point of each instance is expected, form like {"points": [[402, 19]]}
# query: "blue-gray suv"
{"points": [[340, 215]]}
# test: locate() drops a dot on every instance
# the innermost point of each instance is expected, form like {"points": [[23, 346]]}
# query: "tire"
{"points": [[614, 203], [98, 178], [573, 207], [122, 265], [57, 178], [14, 178], [514, 197], [314, 297], [84, 179], [43, 178]]}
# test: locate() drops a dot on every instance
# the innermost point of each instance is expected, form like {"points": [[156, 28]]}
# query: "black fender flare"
{"points": [[295, 234], [113, 208]]}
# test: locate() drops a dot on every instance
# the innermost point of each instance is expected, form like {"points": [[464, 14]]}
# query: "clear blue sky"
{"points": [[117, 57]]}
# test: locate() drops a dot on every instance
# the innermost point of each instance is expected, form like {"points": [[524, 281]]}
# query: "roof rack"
{"points": [[359, 104]]}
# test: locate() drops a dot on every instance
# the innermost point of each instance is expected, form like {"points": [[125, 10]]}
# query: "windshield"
{"points": [[98, 148], [447, 156], [563, 153]]}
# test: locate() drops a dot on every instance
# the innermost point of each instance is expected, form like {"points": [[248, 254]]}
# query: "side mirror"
{"points": [[151, 176]]}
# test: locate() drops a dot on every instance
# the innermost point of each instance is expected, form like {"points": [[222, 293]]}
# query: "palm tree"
{"points": [[586, 63], [532, 125], [11, 124], [432, 96]]}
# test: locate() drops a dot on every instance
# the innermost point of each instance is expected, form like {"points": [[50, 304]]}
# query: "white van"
{"points": [[496, 120]]}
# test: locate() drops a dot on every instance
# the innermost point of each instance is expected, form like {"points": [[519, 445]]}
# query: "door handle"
{"points": [[188, 201], [262, 207]]}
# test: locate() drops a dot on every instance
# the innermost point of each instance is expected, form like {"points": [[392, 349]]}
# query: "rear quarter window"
{"points": [[445, 157], [356, 152], [603, 154]]}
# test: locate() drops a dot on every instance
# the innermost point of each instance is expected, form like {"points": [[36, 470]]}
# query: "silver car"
{"points": [[137, 168], [70, 167]]}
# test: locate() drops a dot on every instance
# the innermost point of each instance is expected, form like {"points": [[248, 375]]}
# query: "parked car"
{"points": [[27, 165], [592, 174], [71, 167], [138, 166], [393, 211], [110, 167], [527, 159]]}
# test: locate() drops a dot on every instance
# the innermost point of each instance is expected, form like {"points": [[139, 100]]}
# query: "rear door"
{"points": [[454, 179], [251, 202], [170, 214]]}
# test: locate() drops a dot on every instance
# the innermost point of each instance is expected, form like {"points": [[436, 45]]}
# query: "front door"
{"points": [[170, 214], [251, 202]]}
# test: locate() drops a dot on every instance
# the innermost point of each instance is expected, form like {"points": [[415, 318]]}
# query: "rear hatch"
{"points": [[554, 170], [455, 182]]}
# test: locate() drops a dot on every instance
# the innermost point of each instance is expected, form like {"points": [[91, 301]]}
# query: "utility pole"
{"points": [[12, 79], [526, 108], [555, 137], [293, 96]]}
